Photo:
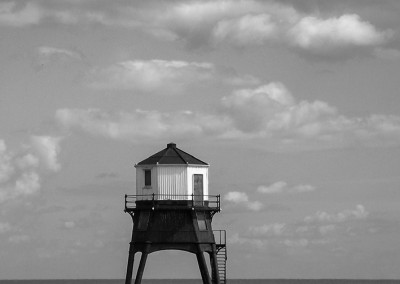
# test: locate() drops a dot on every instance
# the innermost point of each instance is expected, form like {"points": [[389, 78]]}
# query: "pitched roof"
{"points": [[172, 156]]}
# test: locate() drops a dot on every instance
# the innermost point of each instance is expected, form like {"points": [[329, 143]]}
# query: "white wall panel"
{"points": [[170, 181]]}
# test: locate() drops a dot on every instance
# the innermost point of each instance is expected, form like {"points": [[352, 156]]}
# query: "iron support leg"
{"points": [[214, 266], [129, 269], [203, 267], [139, 274]]}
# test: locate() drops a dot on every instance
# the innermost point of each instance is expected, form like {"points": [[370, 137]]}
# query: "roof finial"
{"points": [[171, 145]]}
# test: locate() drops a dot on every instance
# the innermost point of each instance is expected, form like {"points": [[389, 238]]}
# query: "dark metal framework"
{"points": [[210, 203], [177, 222]]}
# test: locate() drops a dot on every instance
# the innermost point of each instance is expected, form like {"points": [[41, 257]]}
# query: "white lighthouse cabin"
{"points": [[172, 174]]}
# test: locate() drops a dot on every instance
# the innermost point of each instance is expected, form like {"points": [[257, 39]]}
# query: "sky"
{"points": [[294, 104]]}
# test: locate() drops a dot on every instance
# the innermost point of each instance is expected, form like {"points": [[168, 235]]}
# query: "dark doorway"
{"points": [[198, 189]]}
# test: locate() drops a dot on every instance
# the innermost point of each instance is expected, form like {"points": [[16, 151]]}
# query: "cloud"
{"points": [[320, 229], [6, 168], [358, 213], [15, 14], [324, 230], [249, 29], [12, 15], [69, 224], [267, 230], [325, 35], [271, 111], [162, 76], [268, 113], [298, 243], [27, 184], [241, 198], [48, 54], [212, 23], [249, 23], [282, 187], [151, 75], [48, 51], [236, 197], [272, 108], [48, 149], [240, 240], [141, 124], [20, 172]]}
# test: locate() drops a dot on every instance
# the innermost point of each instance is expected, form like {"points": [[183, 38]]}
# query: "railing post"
{"points": [[126, 202], [192, 200]]}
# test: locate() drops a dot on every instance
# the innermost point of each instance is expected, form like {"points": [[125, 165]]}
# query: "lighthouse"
{"points": [[173, 210]]}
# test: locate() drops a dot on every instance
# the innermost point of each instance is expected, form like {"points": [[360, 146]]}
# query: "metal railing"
{"points": [[166, 200]]}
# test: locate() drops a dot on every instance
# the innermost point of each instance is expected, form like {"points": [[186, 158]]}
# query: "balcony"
{"points": [[172, 201]]}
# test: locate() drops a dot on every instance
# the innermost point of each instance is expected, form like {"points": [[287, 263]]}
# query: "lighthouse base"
{"points": [[198, 250], [184, 228]]}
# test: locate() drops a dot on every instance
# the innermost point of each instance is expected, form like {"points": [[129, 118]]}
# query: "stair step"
{"points": [[221, 262]]}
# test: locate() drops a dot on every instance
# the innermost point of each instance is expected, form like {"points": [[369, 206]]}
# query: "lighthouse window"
{"points": [[147, 177]]}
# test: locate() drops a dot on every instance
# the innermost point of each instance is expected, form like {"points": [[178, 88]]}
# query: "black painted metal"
{"points": [[172, 201], [174, 225], [172, 156]]}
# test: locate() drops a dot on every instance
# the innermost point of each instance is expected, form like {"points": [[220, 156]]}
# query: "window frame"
{"points": [[147, 178]]}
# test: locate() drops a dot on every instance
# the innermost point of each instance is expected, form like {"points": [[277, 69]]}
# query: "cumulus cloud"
{"points": [[241, 198], [269, 113], [48, 149], [210, 23], [272, 108], [326, 34], [326, 229], [320, 229], [283, 187], [15, 14], [164, 76], [250, 22], [240, 240], [151, 75], [272, 111], [141, 124], [12, 15], [255, 29], [20, 172], [353, 214], [296, 243], [267, 230]]}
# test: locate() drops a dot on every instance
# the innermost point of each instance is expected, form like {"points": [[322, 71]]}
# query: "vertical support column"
{"points": [[142, 264], [203, 267], [214, 265], [129, 269]]}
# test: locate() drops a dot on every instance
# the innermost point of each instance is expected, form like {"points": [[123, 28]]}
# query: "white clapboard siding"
{"points": [[172, 182]]}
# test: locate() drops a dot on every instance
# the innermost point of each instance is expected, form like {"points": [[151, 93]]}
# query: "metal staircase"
{"points": [[220, 240]]}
